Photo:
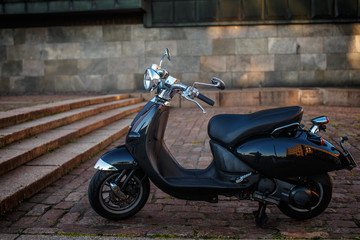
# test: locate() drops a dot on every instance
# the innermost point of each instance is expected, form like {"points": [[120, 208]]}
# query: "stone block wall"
{"points": [[113, 58]]}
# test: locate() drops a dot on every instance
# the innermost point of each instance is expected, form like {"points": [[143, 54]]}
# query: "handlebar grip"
{"points": [[205, 99]]}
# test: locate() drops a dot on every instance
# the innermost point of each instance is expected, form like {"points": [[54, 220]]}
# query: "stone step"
{"points": [[28, 179], [20, 115], [21, 152], [30, 128]]}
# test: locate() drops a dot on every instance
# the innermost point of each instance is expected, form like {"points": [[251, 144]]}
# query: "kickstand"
{"points": [[260, 216]]}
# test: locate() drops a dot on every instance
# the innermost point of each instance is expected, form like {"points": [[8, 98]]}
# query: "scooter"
{"points": [[267, 156]]}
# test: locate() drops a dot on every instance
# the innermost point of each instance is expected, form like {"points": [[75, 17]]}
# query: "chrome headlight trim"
{"points": [[151, 79]]}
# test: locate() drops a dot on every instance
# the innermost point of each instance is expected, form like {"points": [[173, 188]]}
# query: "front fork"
{"points": [[119, 191]]}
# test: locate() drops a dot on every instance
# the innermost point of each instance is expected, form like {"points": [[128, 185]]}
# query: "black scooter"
{"points": [[266, 156]]}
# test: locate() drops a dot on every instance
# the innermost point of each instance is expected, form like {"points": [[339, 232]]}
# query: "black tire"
{"points": [[321, 188], [108, 205]]}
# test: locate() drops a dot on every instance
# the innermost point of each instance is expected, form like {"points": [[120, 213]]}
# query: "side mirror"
{"points": [[218, 83], [167, 53]]}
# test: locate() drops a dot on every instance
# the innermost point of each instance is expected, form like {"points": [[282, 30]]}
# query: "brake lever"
{"points": [[192, 100]]}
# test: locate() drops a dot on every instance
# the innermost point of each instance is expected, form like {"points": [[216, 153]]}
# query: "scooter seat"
{"points": [[230, 129]]}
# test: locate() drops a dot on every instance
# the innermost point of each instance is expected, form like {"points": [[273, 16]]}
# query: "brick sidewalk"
{"points": [[63, 208]]}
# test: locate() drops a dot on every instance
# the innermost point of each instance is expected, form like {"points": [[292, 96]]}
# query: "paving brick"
{"points": [[38, 210], [64, 205], [205, 232], [8, 236], [52, 215], [74, 197], [173, 230], [53, 199], [41, 230], [25, 222], [70, 218]]}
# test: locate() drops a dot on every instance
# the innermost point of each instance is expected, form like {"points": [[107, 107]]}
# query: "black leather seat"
{"points": [[230, 129]]}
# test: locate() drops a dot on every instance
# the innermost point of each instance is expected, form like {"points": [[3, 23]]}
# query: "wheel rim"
{"points": [[317, 195], [133, 192]]}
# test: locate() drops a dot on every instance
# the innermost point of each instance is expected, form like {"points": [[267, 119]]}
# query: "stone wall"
{"points": [[113, 58]]}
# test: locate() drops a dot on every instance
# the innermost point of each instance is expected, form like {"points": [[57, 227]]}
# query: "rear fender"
{"points": [[292, 156], [116, 159]]}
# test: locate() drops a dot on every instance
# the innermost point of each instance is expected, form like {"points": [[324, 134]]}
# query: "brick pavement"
{"points": [[62, 209]]}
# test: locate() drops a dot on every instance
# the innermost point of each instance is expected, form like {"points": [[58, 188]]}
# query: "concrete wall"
{"points": [[114, 57]]}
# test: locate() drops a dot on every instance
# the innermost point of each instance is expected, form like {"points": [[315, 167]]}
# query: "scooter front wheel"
{"points": [[320, 197], [118, 195]]}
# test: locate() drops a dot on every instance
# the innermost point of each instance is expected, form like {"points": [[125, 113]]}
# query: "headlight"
{"points": [[151, 78]]}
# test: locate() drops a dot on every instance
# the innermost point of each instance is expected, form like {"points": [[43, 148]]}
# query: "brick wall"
{"points": [[114, 57]]}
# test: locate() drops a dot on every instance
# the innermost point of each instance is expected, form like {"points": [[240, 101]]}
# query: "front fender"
{"points": [[116, 159]]}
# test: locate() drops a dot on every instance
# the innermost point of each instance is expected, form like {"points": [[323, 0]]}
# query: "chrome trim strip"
{"points": [[104, 166], [282, 127]]}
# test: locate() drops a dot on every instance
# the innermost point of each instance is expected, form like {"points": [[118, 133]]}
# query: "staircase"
{"points": [[40, 144]]}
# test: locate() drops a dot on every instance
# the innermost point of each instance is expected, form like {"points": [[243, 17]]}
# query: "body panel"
{"points": [[165, 172], [290, 156]]}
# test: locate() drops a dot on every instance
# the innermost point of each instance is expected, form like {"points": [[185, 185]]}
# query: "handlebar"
{"points": [[205, 99]]}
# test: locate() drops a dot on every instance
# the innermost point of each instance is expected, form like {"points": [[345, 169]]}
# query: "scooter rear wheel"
{"points": [[114, 205], [321, 192]]}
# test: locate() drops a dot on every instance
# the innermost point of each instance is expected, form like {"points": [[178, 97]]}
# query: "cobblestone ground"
{"points": [[63, 208]]}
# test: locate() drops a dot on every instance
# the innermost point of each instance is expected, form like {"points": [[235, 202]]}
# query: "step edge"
{"points": [[38, 151], [14, 199], [7, 139], [23, 114]]}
